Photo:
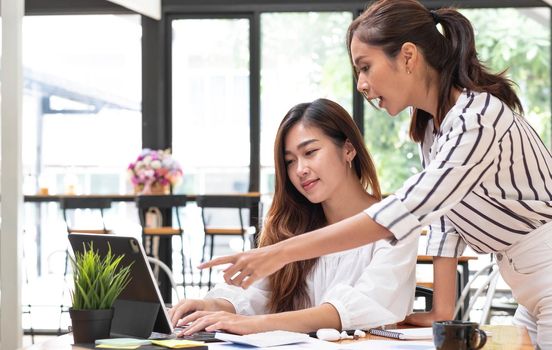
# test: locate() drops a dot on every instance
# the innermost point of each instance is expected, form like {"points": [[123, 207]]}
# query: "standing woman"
{"points": [[487, 178]]}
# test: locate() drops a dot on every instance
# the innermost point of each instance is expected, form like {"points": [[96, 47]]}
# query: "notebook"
{"points": [[405, 333], [140, 309]]}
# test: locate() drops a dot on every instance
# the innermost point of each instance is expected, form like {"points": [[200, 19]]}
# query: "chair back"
{"points": [[226, 201], [488, 276], [239, 202], [427, 294], [82, 203], [161, 201], [224, 208], [146, 202]]}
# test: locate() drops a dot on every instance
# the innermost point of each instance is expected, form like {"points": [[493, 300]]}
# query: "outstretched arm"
{"points": [[249, 266]]}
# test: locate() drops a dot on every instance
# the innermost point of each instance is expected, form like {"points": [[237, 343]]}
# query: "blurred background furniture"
{"points": [[462, 276], [156, 213], [487, 278], [226, 215], [425, 293]]}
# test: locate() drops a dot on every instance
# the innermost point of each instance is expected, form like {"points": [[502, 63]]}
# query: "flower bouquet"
{"points": [[154, 171]]}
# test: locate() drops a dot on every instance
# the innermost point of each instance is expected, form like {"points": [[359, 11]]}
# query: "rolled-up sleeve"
{"points": [[384, 292], [395, 216], [444, 240]]}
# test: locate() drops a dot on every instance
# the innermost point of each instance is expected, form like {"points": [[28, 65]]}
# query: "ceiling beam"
{"points": [[150, 8]]}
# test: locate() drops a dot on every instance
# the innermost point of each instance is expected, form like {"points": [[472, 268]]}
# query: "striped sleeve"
{"points": [[444, 240], [460, 158]]}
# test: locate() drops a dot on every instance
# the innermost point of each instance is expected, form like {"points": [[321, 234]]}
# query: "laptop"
{"points": [[139, 310]]}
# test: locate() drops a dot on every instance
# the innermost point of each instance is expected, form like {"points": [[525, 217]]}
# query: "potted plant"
{"points": [[98, 281]]}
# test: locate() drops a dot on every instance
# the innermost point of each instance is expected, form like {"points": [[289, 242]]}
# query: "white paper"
{"points": [[387, 344], [415, 333], [311, 343]]}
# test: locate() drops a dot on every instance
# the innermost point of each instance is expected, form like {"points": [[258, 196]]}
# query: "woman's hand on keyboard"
{"points": [[178, 313], [223, 321], [183, 308]]}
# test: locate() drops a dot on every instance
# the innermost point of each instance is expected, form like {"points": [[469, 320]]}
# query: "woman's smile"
{"points": [[309, 184]]}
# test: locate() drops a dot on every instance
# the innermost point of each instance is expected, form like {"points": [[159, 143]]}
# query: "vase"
{"points": [[89, 325], [152, 189], [158, 189]]}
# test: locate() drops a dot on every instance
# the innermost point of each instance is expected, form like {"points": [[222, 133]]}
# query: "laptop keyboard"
{"points": [[207, 337]]}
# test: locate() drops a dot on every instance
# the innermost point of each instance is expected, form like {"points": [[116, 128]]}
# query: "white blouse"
{"points": [[487, 181], [369, 286]]}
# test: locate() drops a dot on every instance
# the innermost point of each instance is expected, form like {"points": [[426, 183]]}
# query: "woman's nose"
{"points": [[302, 168], [362, 86]]}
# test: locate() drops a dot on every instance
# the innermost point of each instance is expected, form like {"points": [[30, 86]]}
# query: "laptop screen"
{"points": [[140, 309]]}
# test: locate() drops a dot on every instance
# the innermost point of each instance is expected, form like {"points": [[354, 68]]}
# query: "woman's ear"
{"points": [[349, 151], [408, 57]]}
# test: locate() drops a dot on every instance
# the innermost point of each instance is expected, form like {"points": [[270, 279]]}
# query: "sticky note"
{"points": [[177, 343], [121, 343]]}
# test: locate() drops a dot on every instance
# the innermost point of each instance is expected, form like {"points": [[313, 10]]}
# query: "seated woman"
{"points": [[324, 174]]}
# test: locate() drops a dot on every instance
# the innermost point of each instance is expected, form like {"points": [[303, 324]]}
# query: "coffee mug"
{"points": [[458, 335]]}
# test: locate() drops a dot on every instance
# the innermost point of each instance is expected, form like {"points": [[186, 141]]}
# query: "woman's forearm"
{"points": [[218, 304], [444, 294], [444, 287], [350, 233], [307, 320]]}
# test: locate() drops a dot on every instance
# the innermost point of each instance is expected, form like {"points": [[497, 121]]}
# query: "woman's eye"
{"points": [[311, 152], [288, 162], [364, 69]]}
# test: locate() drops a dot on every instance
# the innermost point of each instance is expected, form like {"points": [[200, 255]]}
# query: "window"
{"points": [[519, 40], [295, 71], [210, 108], [82, 106]]}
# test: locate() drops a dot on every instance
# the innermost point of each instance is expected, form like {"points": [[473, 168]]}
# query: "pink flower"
{"points": [[154, 166]]}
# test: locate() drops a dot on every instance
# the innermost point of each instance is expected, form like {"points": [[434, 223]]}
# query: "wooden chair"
{"points": [[168, 273], [163, 207], [238, 204], [84, 203], [427, 294], [488, 278]]}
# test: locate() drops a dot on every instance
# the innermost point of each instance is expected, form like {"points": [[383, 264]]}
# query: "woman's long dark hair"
{"points": [[292, 214], [389, 24]]}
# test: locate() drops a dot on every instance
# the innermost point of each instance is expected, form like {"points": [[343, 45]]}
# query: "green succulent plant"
{"points": [[98, 281]]}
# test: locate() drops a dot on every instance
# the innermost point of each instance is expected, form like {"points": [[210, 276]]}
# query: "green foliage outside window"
{"points": [[512, 39]]}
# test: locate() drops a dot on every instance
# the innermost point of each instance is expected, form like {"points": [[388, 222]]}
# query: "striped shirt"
{"points": [[487, 181]]}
